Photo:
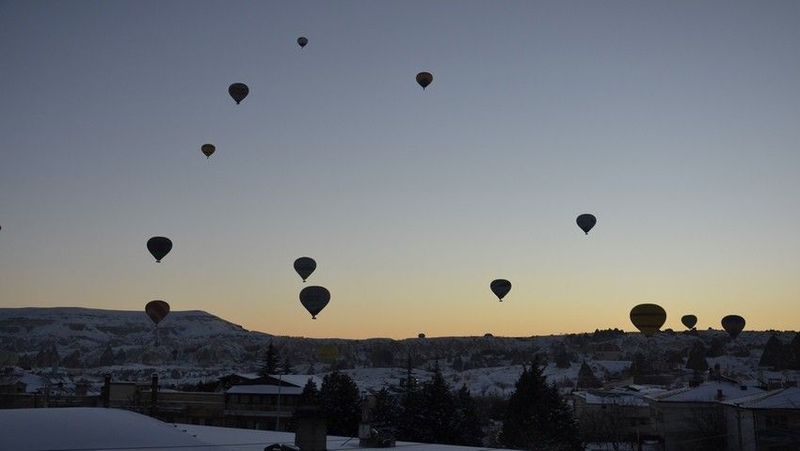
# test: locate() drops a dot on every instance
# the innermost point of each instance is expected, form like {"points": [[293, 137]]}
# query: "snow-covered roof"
{"points": [[706, 392], [90, 428], [263, 390], [102, 429], [615, 399], [255, 440], [298, 380], [786, 398]]}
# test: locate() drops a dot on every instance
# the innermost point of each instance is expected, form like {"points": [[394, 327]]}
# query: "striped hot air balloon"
{"points": [[648, 318]]}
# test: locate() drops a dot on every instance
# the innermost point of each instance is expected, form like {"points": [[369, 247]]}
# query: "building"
{"points": [[619, 414], [767, 421], [693, 418]]}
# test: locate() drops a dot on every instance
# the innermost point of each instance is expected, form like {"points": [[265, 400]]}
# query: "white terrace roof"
{"points": [[706, 392], [263, 390], [786, 398]]}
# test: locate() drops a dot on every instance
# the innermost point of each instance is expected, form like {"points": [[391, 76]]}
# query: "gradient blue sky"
{"points": [[676, 123]]}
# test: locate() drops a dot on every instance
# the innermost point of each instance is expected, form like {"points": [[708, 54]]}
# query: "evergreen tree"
{"points": [[467, 422], [270, 364], [386, 412], [287, 365], [537, 417], [409, 421], [793, 353], [310, 394], [697, 358], [438, 410], [640, 366], [341, 403], [773, 355], [716, 348], [586, 377]]}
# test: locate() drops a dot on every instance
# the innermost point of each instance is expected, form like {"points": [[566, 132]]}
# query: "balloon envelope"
{"points": [[302, 41], [314, 299], [238, 91], [500, 288], [424, 79], [304, 267], [733, 325], [689, 321], [159, 246], [648, 318], [208, 149], [327, 353], [586, 221], [157, 310], [421, 336]]}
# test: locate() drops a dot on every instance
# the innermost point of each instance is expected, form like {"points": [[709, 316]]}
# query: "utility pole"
{"points": [[278, 410]]}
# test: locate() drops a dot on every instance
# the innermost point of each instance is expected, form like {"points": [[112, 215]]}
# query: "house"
{"points": [[767, 421], [693, 418], [619, 414], [268, 405]]}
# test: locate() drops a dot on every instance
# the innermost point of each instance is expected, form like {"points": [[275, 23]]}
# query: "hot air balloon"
{"points": [[157, 311], [159, 246], [733, 325], [586, 221], [302, 41], [208, 150], [421, 335], [648, 318], [689, 321], [327, 353], [238, 91], [314, 299], [500, 287], [424, 79], [304, 267]]}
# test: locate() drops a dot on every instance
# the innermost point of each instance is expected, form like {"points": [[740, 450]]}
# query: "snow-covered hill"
{"points": [[194, 346]]}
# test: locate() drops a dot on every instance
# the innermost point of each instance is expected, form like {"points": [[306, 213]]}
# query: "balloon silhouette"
{"points": [[733, 325], [314, 299], [157, 310], [586, 221], [302, 41], [238, 91], [500, 288], [304, 267], [689, 321], [424, 79], [421, 336], [208, 150], [648, 318], [159, 246]]}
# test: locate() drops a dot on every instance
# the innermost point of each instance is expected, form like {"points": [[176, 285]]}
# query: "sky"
{"points": [[676, 123]]}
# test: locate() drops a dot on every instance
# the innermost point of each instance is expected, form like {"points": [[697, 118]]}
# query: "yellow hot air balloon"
{"points": [[648, 318]]}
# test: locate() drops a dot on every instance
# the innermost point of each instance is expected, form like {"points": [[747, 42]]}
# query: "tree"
{"points": [[716, 348], [586, 377], [438, 410], [270, 364], [793, 353], [467, 424], [773, 355], [697, 358], [386, 412], [537, 417], [341, 403], [287, 365]]}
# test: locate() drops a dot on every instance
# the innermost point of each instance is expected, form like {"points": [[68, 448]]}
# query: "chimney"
{"points": [[311, 429], [153, 394], [107, 390]]}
